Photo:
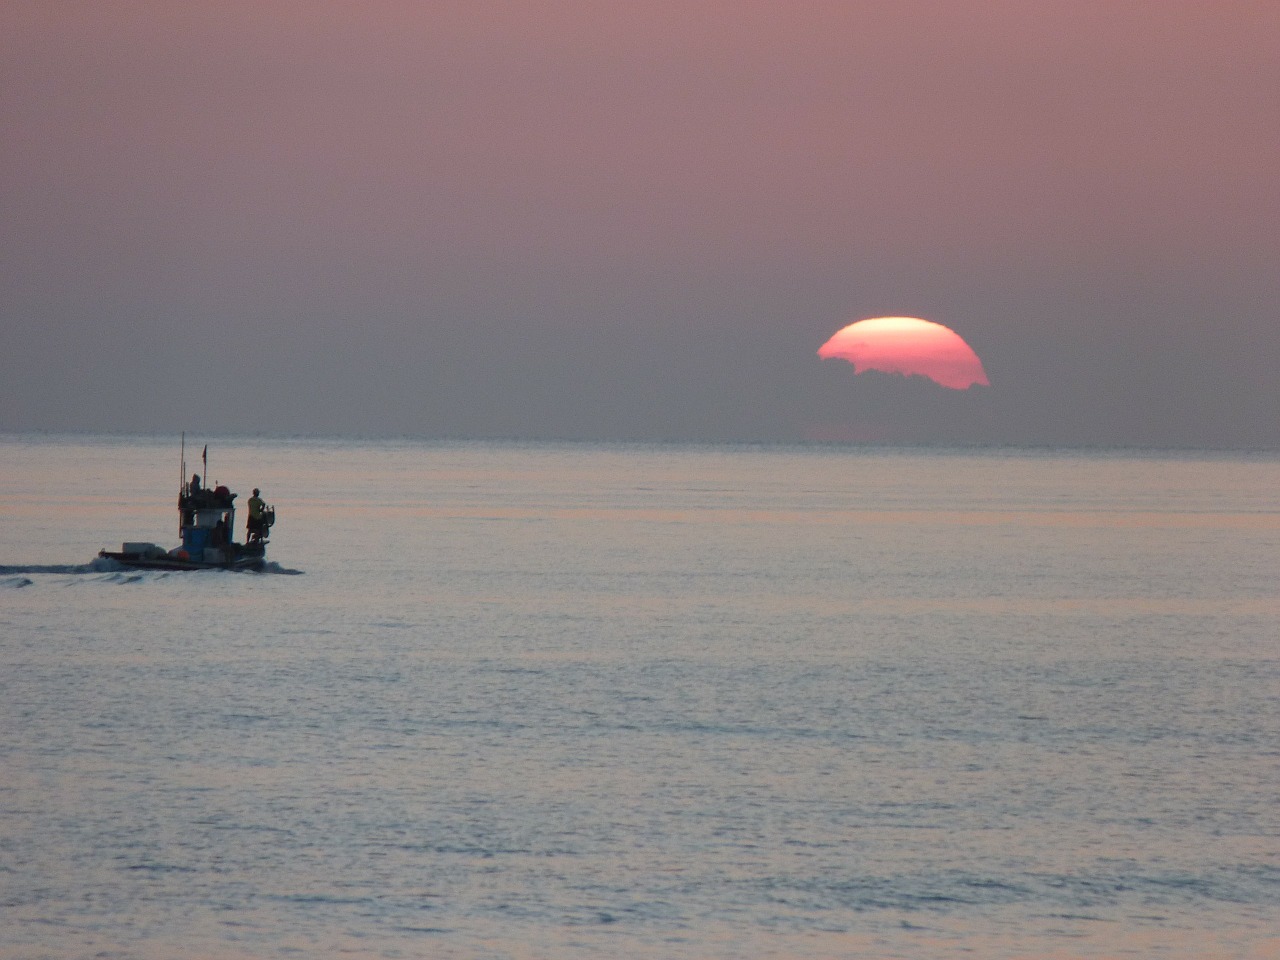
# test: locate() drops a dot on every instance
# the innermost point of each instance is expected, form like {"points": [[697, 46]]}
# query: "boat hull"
{"points": [[249, 561]]}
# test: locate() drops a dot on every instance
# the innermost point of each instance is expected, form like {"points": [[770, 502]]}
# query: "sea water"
{"points": [[570, 701]]}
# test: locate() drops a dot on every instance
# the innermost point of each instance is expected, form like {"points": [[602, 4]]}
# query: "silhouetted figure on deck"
{"points": [[257, 527], [195, 496]]}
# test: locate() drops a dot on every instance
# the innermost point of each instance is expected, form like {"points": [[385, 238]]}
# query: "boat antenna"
{"points": [[205, 458]]}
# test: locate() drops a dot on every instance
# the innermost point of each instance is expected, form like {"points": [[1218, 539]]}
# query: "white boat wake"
{"points": [[15, 576]]}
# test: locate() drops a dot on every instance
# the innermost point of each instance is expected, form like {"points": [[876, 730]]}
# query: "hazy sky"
{"points": [[640, 220]]}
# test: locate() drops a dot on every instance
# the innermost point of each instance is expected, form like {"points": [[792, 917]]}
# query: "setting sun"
{"points": [[909, 346]]}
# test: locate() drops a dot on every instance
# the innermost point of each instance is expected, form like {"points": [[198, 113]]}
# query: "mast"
{"points": [[182, 478]]}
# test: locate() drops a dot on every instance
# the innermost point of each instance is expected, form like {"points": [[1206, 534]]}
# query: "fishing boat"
{"points": [[206, 519]]}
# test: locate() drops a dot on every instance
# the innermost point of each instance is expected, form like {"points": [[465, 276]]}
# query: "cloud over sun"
{"points": [[909, 346]]}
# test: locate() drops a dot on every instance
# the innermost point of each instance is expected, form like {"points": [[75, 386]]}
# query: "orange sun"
{"points": [[908, 346]]}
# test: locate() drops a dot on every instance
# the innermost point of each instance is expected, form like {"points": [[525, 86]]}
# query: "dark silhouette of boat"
{"points": [[206, 519]]}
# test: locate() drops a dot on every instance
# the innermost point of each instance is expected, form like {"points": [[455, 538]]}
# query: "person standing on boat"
{"points": [[254, 523]]}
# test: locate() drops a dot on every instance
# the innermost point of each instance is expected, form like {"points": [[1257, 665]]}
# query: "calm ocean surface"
{"points": [[577, 701]]}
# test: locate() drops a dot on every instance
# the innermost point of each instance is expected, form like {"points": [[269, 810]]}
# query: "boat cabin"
{"points": [[206, 521]]}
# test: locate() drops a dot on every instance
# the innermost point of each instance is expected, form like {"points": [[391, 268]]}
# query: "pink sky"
{"points": [[638, 219]]}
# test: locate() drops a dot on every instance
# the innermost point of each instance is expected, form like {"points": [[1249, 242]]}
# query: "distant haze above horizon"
{"points": [[640, 220]]}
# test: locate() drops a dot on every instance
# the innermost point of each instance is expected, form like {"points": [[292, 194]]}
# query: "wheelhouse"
{"points": [[206, 521]]}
